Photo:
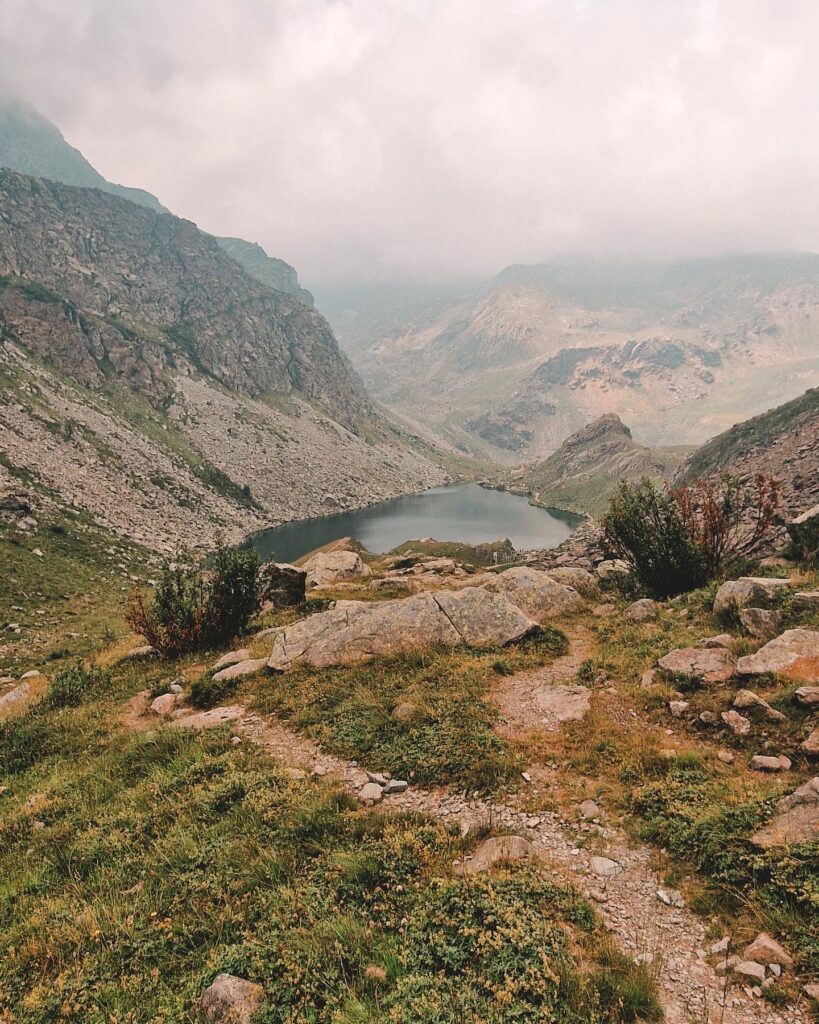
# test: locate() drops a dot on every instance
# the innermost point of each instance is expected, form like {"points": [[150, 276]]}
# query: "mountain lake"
{"points": [[459, 512]]}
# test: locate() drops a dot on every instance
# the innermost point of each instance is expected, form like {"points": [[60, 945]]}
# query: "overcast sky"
{"points": [[370, 138]]}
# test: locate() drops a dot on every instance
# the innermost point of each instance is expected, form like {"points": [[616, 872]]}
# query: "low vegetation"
{"points": [[677, 540], [136, 866], [195, 607]]}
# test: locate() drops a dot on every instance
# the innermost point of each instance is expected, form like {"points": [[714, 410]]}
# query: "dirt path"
{"points": [[544, 698], [645, 917]]}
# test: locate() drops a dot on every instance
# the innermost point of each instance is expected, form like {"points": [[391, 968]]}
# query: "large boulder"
{"points": [[613, 569], [745, 592], [706, 665], [795, 652], [240, 669], [804, 531], [796, 819], [644, 610], [578, 579], [762, 623], [231, 1000], [327, 568], [536, 593], [356, 631], [281, 585]]}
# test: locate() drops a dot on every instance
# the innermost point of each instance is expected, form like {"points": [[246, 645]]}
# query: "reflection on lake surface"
{"points": [[461, 512]]}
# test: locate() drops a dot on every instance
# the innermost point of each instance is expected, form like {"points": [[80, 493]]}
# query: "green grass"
{"points": [[134, 867], [450, 740], [72, 598]]}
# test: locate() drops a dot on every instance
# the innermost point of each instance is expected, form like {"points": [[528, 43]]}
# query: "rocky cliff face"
{"points": [[147, 380], [31, 144], [783, 443], [583, 472], [97, 286]]}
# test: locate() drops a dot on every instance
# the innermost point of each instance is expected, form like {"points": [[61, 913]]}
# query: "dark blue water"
{"points": [[462, 512]]}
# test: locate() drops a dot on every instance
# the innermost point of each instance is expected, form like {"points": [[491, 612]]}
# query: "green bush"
{"points": [[194, 608], [645, 529], [70, 688]]}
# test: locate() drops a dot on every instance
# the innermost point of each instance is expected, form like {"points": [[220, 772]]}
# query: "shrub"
{"points": [[677, 540], [193, 608], [645, 529], [70, 688]]}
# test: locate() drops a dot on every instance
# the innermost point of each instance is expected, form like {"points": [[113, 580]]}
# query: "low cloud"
{"points": [[380, 138]]}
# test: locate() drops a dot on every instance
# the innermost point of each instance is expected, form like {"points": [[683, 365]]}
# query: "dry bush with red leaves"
{"points": [[726, 520]]}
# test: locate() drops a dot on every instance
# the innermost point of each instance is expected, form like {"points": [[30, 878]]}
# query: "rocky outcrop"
{"points": [[584, 471], [327, 568], [536, 593], [268, 269], [795, 652], [745, 592], [706, 665], [356, 631]]}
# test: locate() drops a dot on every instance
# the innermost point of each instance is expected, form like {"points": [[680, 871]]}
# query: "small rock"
{"points": [[231, 1000], [678, 708], [795, 652], [806, 601], [706, 665], [589, 810], [807, 696], [763, 763], [709, 718], [377, 778], [738, 724], [232, 658], [648, 679], [767, 949], [775, 969], [747, 700], [604, 867], [812, 992], [728, 964], [760, 622], [240, 669], [750, 969], [810, 746], [163, 705], [644, 610], [395, 786], [603, 611], [721, 946], [746, 591], [720, 640], [726, 756], [613, 569], [371, 793]]}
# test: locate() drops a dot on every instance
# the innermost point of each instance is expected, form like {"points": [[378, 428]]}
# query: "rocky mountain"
{"points": [[581, 475], [679, 349], [267, 269], [31, 144], [146, 378], [783, 442]]}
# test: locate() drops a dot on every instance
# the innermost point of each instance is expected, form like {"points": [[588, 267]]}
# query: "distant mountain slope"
{"points": [[31, 144], [148, 380], [679, 349], [783, 442], [581, 475], [267, 269]]}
